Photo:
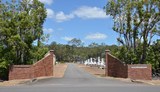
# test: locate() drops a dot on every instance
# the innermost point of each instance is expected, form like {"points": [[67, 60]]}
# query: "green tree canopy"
{"points": [[137, 22], [21, 23]]}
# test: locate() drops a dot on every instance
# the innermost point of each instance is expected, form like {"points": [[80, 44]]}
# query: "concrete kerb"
{"points": [[142, 81], [34, 80], [131, 80], [120, 79], [128, 80]]}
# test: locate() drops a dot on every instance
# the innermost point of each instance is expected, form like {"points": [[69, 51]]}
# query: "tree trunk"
{"points": [[144, 50]]}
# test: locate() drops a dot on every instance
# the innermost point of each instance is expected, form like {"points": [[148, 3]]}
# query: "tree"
{"points": [[93, 45], [136, 21], [21, 24], [154, 53], [75, 42], [69, 53]]}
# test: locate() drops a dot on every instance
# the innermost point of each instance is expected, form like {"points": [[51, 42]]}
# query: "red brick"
{"points": [[140, 71], [116, 68], [43, 67]]}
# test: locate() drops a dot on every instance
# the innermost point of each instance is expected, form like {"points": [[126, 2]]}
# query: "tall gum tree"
{"points": [[137, 22]]}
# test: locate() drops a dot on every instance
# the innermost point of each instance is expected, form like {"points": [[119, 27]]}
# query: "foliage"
{"points": [[75, 42], [38, 53], [154, 53], [21, 23], [137, 22], [70, 53]]}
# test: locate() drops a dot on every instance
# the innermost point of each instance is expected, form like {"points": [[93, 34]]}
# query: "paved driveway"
{"points": [[77, 80]]}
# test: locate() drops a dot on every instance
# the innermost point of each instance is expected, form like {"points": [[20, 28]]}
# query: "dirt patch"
{"points": [[13, 82], [59, 70], [93, 70], [155, 82]]}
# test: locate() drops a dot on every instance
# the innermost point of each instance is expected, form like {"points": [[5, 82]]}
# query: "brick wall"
{"points": [[20, 72], [43, 67], [140, 71], [116, 68]]}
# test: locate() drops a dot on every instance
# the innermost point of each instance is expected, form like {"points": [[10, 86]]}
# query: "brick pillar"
{"points": [[52, 53], [106, 69]]}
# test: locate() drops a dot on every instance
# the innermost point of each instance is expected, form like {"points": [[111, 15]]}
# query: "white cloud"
{"points": [[60, 17], [96, 36], [50, 13], [49, 2], [67, 38], [48, 30], [86, 12]]}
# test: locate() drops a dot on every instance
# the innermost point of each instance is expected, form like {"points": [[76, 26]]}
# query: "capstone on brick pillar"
{"points": [[51, 51]]}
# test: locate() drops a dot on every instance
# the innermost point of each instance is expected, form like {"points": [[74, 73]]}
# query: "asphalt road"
{"points": [[77, 80]]}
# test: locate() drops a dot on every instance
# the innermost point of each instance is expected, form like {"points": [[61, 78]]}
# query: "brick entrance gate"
{"points": [[44, 67], [116, 68]]}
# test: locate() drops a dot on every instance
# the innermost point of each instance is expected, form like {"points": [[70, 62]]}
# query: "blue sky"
{"points": [[82, 19]]}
